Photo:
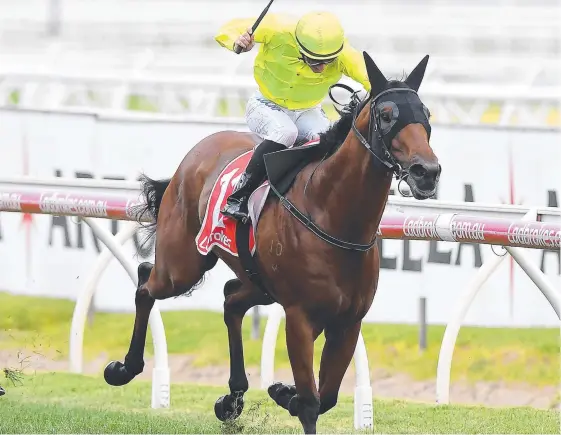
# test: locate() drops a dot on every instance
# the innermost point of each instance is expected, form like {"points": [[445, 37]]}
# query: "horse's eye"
{"points": [[386, 114]]}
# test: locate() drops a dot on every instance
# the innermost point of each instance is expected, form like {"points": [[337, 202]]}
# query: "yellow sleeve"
{"points": [[230, 31], [352, 65]]}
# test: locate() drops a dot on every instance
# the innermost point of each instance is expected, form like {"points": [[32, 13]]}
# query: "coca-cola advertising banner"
{"points": [[54, 254]]}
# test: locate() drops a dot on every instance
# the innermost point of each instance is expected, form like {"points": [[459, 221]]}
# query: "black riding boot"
{"points": [[254, 175]]}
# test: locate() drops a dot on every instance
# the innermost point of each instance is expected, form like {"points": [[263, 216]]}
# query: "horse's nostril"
{"points": [[418, 171]]}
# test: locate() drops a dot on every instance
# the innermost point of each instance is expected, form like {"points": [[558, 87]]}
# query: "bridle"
{"points": [[379, 149]]}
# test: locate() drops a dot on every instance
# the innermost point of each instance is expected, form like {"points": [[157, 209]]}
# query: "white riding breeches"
{"points": [[271, 121]]}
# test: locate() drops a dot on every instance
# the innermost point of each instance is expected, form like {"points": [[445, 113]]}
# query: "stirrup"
{"points": [[236, 215]]}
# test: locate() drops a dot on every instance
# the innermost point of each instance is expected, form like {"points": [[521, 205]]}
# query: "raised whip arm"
{"points": [[237, 48]]}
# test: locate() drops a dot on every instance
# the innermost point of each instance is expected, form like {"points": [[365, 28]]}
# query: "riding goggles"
{"points": [[314, 62]]}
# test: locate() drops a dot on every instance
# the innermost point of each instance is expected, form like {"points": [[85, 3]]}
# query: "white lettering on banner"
{"points": [[55, 203], [536, 236], [468, 230], [419, 227], [222, 238], [10, 201]]}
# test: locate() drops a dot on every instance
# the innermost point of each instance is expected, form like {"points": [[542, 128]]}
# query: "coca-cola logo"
{"points": [[419, 227], [528, 234], [56, 203], [466, 230], [10, 201]]}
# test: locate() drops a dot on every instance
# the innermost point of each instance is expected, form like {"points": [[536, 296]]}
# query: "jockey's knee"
{"points": [[312, 124], [286, 135], [311, 135]]}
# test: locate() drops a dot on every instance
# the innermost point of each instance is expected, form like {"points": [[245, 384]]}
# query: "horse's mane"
{"points": [[333, 138]]}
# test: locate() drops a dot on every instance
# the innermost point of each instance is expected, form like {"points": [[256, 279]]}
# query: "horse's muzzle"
{"points": [[423, 179]]}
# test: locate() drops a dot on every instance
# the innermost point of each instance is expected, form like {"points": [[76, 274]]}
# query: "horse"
{"points": [[315, 245]]}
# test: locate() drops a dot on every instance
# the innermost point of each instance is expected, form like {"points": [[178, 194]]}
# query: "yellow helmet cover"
{"points": [[320, 35]]}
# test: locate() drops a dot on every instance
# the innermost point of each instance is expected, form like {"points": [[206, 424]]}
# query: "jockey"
{"points": [[297, 62]]}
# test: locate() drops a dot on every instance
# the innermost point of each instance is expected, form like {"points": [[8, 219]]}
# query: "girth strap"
{"points": [[248, 262]]}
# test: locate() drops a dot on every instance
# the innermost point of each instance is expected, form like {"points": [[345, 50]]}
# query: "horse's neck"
{"points": [[353, 190]]}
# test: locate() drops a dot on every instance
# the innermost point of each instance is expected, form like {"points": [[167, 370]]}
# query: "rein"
{"points": [[380, 151]]}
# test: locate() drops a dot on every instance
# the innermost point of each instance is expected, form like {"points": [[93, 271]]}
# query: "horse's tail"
{"points": [[153, 192]]}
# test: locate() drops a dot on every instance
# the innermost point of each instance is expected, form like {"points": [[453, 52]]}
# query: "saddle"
{"points": [[282, 167]]}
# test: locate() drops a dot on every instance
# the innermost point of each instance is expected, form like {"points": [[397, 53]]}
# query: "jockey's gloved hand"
{"points": [[349, 108], [246, 41]]}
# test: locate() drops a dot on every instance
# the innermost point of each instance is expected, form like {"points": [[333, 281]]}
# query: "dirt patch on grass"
{"points": [[384, 384]]}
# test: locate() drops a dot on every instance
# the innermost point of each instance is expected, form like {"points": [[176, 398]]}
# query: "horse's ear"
{"points": [[416, 77], [377, 80]]}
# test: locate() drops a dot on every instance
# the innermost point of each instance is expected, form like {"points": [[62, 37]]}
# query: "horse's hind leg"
{"points": [[179, 267], [117, 373], [300, 336], [238, 299], [337, 353]]}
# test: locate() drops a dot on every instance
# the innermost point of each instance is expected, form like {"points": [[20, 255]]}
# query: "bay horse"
{"points": [[315, 248]]}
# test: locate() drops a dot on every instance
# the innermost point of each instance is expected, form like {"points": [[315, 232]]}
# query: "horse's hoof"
{"points": [[228, 408], [2, 391], [279, 390], [116, 374]]}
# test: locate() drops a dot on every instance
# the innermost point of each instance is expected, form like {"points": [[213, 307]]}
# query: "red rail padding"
{"points": [[444, 227]]}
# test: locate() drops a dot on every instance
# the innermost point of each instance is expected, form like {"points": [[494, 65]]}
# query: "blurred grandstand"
{"points": [[491, 61]]}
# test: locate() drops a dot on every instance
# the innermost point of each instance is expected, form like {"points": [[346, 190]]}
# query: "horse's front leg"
{"points": [[338, 351], [301, 400], [238, 299]]}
